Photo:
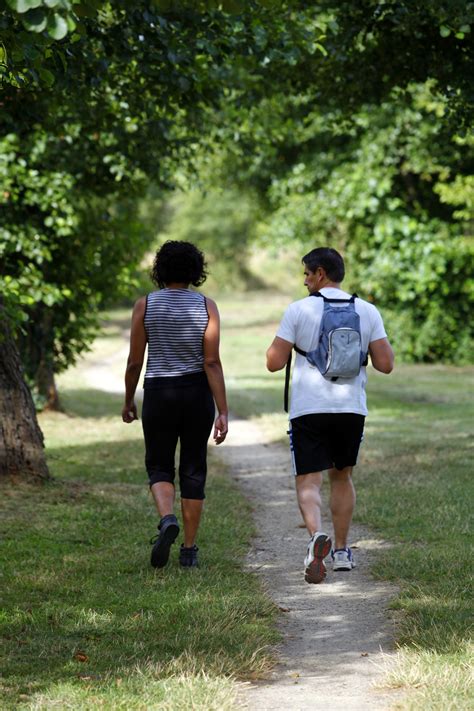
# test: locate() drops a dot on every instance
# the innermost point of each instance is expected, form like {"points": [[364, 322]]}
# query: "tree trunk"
{"points": [[21, 440], [36, 345], [46, 385]]}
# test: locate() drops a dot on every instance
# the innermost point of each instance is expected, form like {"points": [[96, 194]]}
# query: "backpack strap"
{"points": [[335, 301], [287, 382]]}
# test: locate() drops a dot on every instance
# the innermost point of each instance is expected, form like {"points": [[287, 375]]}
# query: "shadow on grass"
{"points": [[89, 402], [117, 461], [268, 399]]}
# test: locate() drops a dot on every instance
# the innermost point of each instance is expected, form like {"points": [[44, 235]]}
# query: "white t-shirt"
{"points": [[310, 391]]}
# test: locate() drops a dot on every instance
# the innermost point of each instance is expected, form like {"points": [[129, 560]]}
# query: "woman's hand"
{"points": [[129, 412], [221, 428]]}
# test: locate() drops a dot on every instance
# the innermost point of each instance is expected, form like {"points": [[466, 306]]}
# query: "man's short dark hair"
{"points": [[179, 262], [327, 258]]}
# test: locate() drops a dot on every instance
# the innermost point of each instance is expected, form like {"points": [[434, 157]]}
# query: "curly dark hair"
{"points": [[180, 262]]}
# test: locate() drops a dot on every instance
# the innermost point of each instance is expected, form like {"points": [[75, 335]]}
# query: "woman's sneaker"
{"points": [[168, 531], [319, 547], [342, 559], [188, 557]]}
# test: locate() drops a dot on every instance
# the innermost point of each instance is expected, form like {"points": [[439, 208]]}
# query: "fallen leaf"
{"points": [[81, 657], [364, 654]]}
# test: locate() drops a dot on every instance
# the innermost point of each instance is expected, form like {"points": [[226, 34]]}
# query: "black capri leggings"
{"points": [[182, 408]]}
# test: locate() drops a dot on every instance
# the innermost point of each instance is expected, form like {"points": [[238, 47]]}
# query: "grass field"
{"points": [[87, 624]]}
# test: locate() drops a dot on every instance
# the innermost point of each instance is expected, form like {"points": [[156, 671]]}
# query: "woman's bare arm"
{"points": [[214, 372], [135, 360]]}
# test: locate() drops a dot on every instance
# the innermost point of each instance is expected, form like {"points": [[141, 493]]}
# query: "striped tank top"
{"points": [[175, 322]]}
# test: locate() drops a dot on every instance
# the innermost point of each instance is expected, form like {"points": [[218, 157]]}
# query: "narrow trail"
{"points": [[337, 640]]}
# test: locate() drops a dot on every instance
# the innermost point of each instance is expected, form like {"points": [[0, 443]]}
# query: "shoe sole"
{"points": [[316, 571], [189, 565], [161, 550], [343, 567]]}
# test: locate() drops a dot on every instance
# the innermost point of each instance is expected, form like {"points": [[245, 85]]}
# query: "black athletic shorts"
{"points": [[324, 441], [178, 408]]}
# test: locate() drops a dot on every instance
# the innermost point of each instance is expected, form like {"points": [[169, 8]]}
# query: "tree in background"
{"points": [[371, 153], [222, 224], [392, 190], [98, 99]]}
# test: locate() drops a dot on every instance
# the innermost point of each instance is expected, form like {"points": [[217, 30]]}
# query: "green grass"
{"points": [[414, 486], [86, 623]]}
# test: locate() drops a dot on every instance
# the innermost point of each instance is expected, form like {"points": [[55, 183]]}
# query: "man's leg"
{"points": [[342, 501], [308, 493]]}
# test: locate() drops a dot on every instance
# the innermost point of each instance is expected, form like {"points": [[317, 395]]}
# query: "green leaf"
{"points": [[47, 76], [35, 20], [22, 6], [87, 8], [444, 31], [71, 25], [321, 48], [3, 54], [57, 26]]}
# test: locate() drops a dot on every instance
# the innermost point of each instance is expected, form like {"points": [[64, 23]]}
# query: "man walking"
{"points": [[327, 411]]}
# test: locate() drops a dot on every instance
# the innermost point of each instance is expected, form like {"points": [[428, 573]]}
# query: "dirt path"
{"points": [[337, 640], [336, 637]]}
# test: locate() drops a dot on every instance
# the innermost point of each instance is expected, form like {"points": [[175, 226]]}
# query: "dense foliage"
{"points": [[382, 192], [90, 114], [314, 107], [223, 223], [391, 187]]}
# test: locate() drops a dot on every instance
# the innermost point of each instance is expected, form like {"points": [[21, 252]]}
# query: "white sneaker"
{"points": [[342, 559], [319, 547]]}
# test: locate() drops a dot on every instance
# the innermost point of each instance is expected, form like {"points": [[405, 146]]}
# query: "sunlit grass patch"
{"points": [[148, 687], [435, 681]]}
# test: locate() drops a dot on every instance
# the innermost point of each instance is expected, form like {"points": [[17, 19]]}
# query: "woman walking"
{"points": [[183, 380]]}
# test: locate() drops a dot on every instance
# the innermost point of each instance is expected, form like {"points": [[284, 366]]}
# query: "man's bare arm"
{"points": [[381, 355], [278, 354]]}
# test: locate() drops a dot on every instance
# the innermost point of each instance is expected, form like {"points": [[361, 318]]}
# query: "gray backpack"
{"points": [[338, 353]]}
